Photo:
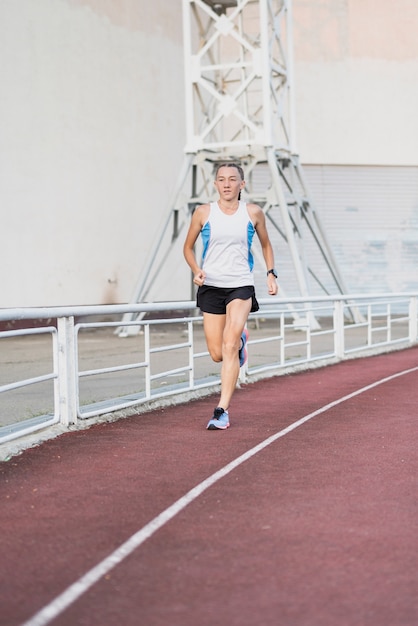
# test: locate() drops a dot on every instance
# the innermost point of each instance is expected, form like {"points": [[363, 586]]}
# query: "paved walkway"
{"points": [[303, 513]]}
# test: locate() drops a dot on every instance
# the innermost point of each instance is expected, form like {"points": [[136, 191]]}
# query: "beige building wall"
{"points": [[356, 81], [92, 129]]}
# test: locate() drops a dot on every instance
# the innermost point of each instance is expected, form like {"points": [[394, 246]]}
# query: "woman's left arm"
{"points": [[259, 221]]}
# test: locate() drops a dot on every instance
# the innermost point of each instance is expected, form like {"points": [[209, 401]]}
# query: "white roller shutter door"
{"points": [[370, 218]]}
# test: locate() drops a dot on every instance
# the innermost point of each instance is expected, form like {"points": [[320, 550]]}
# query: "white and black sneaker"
{"points": [[219, 421]]}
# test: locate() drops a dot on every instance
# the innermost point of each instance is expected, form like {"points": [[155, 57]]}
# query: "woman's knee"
{"points": [[215, 356], [231, 347]]}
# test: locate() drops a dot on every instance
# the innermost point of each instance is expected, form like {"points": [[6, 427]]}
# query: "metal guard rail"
{"points": [[292, 338]]}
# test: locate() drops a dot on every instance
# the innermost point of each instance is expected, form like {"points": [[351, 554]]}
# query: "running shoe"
{"points": [[242, 353], [219, 421]]}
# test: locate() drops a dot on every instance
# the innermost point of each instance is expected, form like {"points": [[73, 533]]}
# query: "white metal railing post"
{"points": [[67, 375], [413, 319], [283, 342], [309, 339], [191, 353], [243, 371], [147, 348], [338, 317], [369, 326], [388, 322]]}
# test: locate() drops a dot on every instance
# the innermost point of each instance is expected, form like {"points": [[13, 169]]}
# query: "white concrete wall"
{"points": [[91, 138], [92, 129]]}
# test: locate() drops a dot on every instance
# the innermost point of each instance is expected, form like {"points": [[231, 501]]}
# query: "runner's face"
{"points": [[228, 183]]}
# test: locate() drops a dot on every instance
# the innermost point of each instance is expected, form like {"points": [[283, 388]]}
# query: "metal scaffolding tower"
{"points": [[239, 107]]}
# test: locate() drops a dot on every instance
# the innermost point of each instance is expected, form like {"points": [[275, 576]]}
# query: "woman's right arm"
{"points": [[198, 219]]}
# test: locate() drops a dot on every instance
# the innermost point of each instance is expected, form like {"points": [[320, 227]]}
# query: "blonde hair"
{"points": [[230, 164]]}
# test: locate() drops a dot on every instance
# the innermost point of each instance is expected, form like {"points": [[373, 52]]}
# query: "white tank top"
{"points": [[227, 239]]}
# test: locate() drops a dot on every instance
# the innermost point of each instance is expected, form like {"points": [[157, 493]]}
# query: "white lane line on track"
{"points": [[77, 589]]}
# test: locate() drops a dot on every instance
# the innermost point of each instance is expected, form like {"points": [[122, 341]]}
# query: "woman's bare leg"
{"points": [[214, 326], [223, 338], [237, 313]]}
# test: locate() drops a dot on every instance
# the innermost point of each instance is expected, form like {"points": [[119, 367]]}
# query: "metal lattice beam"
{"points": [[238, 69]]}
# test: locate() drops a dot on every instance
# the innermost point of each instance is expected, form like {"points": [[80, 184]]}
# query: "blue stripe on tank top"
{"points": [[205, 233], [250, 235]]}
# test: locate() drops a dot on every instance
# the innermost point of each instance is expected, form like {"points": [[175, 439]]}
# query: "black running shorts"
{"points": [[215, 299]]}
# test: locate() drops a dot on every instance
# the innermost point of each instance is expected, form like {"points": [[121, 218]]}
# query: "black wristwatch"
{"points": [[272, 272]]}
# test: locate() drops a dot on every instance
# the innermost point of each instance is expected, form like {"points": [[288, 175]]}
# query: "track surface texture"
{"points": [[316, 525]]}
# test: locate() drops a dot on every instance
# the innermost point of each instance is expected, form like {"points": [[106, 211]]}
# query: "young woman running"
{"points": [[226, 294]]}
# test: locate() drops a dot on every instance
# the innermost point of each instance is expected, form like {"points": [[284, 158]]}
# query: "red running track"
{"points": [[315, 527]]}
